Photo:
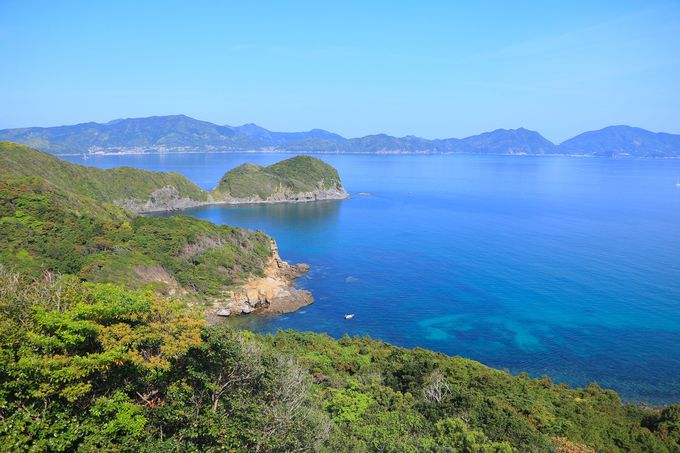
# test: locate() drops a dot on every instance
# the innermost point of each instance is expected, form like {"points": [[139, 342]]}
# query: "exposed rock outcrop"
{"points": [[164, 199], [274, 293], [169, 199], [285, 195]]}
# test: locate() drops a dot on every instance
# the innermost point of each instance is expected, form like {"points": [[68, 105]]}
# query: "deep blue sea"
{"points": [[562, 266]]}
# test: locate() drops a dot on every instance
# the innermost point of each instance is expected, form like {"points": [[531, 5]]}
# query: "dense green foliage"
{"points": [[99, 351], [115, 185], [87, 366], [45, 229], [294, 175]]}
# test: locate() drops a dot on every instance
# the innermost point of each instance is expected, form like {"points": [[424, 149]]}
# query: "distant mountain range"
{"points": [[179, 133]]}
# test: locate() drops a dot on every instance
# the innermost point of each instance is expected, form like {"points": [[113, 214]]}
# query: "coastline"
{"points": [[355, 153], [167, 200], [273, 293]]}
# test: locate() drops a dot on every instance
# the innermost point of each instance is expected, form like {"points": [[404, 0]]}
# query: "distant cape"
{"points": [[180, 133]]}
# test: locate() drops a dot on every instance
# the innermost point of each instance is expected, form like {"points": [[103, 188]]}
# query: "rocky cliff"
{"points": [[274, 293], [285, 195], [164, 199], [170, 199]]}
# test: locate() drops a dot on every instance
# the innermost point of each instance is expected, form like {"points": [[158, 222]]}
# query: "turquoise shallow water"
{"points": [[568, 267]]}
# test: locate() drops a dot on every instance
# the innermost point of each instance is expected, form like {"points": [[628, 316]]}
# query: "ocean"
{"points": [[560, 266]]}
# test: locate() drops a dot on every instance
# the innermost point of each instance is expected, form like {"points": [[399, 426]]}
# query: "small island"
{"points": [[301, 178]]}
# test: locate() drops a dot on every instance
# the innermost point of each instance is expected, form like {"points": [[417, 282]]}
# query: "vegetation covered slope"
{"points": [[43, 228], [123, 185], [93, 367], [285, 179]]}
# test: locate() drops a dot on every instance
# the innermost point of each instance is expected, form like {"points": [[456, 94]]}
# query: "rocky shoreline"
{"points": [[169, 199], [285, 196], [164, 199], [274, 293]]}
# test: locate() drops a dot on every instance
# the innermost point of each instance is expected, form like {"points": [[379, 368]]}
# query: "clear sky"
{"points": [[432, 69]]}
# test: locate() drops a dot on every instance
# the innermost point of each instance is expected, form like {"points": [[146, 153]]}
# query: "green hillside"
{"points": [[93, 367], [116, 185], [45, 229], [300, 174]]}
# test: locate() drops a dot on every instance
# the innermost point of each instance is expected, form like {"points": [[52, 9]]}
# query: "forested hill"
{"points": [[179, 133], [298, 178]]}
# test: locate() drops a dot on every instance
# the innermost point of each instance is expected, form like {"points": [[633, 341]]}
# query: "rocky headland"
{"points": [[285, 195], [164, 199], [170, 199], [273, 293]]}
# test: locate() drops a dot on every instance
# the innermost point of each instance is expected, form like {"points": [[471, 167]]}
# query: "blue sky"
{"points": [[432, 69]]}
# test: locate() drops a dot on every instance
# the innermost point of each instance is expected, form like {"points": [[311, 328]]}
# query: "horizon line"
{"points": [[340, 135]]}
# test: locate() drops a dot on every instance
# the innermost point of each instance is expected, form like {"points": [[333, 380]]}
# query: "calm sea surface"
{"points": [[568, 267]]}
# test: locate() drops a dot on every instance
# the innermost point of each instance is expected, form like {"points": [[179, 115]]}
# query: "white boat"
{"points": [[350, 316]]}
